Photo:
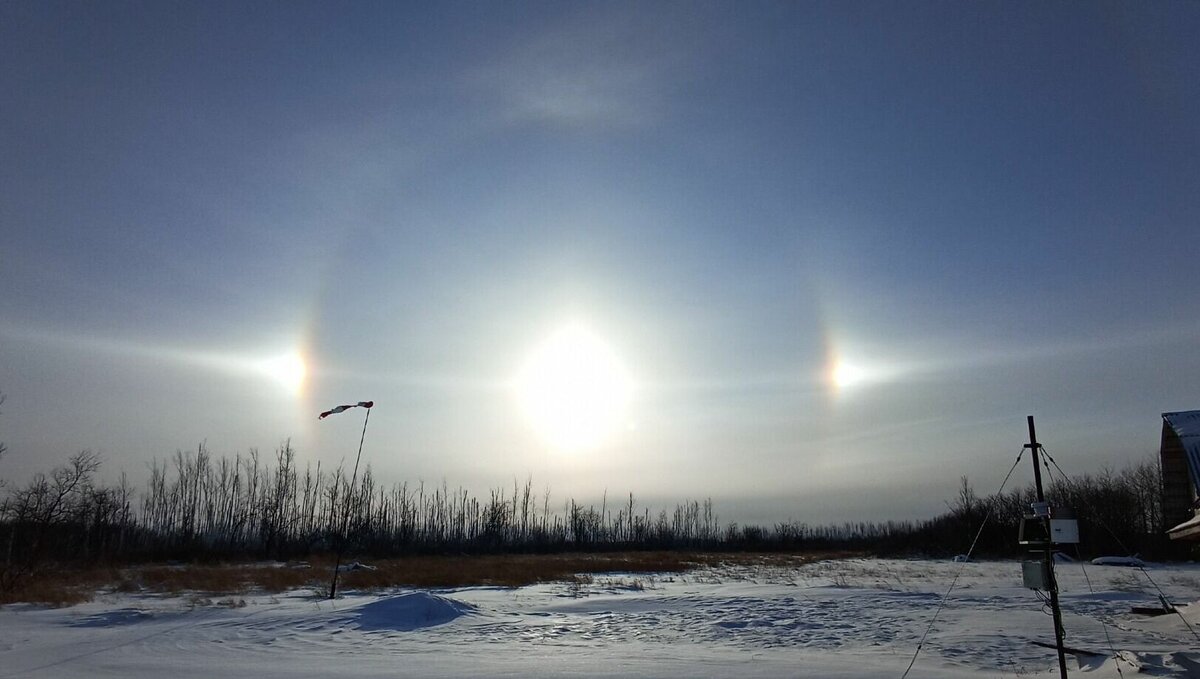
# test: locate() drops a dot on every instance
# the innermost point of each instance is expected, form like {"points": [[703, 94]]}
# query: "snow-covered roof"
{"points": [[1188, 528], [1187, 427]]}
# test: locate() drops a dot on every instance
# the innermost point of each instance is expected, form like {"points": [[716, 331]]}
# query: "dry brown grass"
{"points": [[220, 579], [68, 587], [61, 587]]}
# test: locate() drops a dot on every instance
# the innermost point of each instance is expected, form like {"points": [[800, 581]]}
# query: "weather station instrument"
{"points": [[1042, 529]]}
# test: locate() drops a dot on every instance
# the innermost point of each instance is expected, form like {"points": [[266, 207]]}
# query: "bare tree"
{"points": [[48, 503]]}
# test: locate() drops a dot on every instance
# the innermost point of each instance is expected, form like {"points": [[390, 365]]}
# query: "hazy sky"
{"points": [[977, 210]]}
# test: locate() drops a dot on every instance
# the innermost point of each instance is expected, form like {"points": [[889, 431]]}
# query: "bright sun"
{"points": [[574, 390]]}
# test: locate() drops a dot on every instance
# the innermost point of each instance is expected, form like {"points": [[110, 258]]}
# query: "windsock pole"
{"points": [[341, 542]]}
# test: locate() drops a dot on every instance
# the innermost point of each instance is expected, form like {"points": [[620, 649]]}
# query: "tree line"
{"points": [[197, 506], [1118, 513]]}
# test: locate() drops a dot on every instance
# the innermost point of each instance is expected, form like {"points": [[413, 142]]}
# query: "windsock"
{"points": [[334, 411]]}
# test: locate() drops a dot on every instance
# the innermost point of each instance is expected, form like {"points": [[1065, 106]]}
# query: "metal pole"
{"points": [[1048, 554], [337, 562]]}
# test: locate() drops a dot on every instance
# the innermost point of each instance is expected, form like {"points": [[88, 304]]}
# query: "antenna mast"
{"points": [[1042, 510]]}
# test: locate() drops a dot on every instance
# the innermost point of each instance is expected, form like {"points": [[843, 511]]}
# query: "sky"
{"points": [[816, 261]]}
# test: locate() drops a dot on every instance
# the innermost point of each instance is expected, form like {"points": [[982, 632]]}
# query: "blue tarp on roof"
{"points": [[1187, 427]]}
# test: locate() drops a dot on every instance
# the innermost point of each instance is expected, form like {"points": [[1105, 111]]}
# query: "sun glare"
{"points": [[288, 370], [573, 390], [845, 375]]}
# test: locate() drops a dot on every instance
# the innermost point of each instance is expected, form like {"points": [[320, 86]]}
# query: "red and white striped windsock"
{"points": [[334, 411]]}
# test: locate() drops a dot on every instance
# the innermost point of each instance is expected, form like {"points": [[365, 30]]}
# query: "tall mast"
{"points": [[1048, 553]]}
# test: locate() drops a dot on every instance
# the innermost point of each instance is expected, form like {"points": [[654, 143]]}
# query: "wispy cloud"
{"points": [[617, 69]]}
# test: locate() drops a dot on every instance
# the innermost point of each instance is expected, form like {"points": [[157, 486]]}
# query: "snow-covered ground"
{"points": [[846, 618]]}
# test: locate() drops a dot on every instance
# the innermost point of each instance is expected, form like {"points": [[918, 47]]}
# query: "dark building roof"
{"points": [[1180, 459]]}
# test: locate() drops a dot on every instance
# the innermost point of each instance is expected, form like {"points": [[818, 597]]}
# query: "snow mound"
{"points": [[1153, 664], [407, 612], [1131, 561]]}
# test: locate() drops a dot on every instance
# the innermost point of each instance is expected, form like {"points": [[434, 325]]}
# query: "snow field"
{"points": [[845, 618]]}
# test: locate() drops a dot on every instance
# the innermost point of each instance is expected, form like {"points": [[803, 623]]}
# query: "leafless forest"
{"points": [[194, 506]]}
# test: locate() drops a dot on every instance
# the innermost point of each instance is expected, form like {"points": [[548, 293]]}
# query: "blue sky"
{"points": [[986, 209]]}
